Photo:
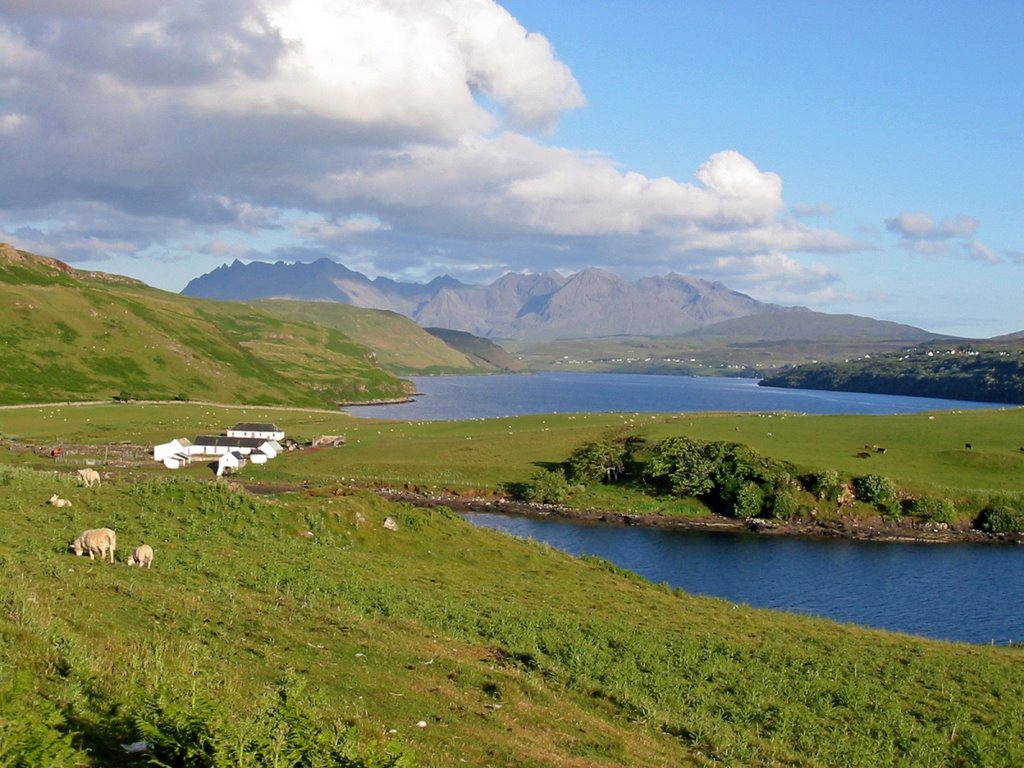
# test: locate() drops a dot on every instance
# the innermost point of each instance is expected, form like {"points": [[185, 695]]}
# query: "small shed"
{"points": [[258, 457], [177, 461]]}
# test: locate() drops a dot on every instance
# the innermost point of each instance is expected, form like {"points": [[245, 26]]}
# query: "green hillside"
{"points": [[398, 344], [72, 335]]}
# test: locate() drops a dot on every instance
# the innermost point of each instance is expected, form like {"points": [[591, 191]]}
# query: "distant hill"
{"points": [[982, 371], [589, 304], [484, 352], [816, 326], [398, 344], [75, 335]]}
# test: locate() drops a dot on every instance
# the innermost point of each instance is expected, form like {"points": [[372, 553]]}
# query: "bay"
{"points": [[959, 592]]}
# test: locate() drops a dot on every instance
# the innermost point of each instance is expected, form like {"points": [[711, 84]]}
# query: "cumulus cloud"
{"points": [[780, 278], [405, 135]]}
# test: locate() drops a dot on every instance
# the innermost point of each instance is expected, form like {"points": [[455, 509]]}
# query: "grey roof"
{"points": [[255, 426], [220, 441]]}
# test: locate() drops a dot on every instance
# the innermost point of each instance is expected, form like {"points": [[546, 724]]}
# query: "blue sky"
{"points": [[850, 157]]}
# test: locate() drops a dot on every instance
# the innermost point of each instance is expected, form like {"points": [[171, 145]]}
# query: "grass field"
{"points": [[297, 630], [924, 452]]}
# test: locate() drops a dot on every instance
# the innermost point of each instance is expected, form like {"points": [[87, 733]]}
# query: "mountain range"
{"points": [[588, 304]]}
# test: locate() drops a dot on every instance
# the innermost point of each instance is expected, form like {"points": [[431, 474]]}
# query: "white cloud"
{"points": [[396, 132], [779, 278], [978, 251], [922, 236], [915, 226]]}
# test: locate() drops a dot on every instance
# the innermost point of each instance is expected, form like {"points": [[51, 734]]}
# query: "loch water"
{"points": [[960, 592], [475, 397]]}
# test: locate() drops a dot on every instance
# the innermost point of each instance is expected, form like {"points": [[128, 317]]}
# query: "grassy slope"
{"points": [[482, 351], [399, 345], [509, 652], [72, 336]]}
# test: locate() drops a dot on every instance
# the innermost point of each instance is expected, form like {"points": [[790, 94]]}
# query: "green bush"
{"points": [[825, 484], [1001, 516], [547, 487], [933, 510], [749, 500], [877, 490]]}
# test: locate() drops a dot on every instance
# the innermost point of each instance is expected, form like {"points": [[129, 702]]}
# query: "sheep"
{"points": [[142, 556], [102, 540], [88, 476], [56, 501]]}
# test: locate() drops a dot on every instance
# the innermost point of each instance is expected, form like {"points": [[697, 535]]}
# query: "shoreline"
{"points": [[868, 530]]}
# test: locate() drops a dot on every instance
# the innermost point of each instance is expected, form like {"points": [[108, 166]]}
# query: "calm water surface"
{"points": [[472, 397], [969, 593]]}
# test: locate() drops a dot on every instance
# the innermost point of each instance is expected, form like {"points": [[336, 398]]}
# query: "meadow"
{"points": [[295, 629]]}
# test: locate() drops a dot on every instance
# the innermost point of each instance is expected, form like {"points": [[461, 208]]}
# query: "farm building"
{"points": [[218, 445], [177, 460], [230, 462], [256, 430], [177, 445], [258, 457]]}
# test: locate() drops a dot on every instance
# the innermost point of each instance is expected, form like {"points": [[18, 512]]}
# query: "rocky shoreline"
{"points": [[858, 529]]}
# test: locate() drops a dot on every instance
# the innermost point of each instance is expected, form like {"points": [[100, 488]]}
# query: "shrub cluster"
{"points": [[1002, 515]]}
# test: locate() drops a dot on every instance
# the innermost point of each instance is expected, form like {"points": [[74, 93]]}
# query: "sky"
{"points": [[851, 157]]}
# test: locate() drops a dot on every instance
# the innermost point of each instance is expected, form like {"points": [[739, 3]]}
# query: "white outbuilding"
{"points": [[230, 462], [177, 461], [177, 445]]}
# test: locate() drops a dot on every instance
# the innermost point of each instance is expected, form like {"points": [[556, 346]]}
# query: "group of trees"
{"points": [[729, 477], [732, 479]]}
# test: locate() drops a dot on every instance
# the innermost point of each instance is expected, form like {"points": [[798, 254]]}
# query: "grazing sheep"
{"points": [[102, 540], [56, 501], [88, 476], [142, 556]]}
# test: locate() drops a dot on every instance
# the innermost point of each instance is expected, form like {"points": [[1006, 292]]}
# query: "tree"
{"points": [[599, 461], [683, 465]]}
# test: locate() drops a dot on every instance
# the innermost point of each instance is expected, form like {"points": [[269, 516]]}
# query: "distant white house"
{"points": [[256, 429], [177, 445], [233, 462]]}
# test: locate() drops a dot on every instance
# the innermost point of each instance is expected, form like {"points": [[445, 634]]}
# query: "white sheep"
{"points": [[57, 501], [102, 540], [88, 476], [142, 556]]}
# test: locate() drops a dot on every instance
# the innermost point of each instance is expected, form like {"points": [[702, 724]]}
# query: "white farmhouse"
{"points": [[256, 429]]}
